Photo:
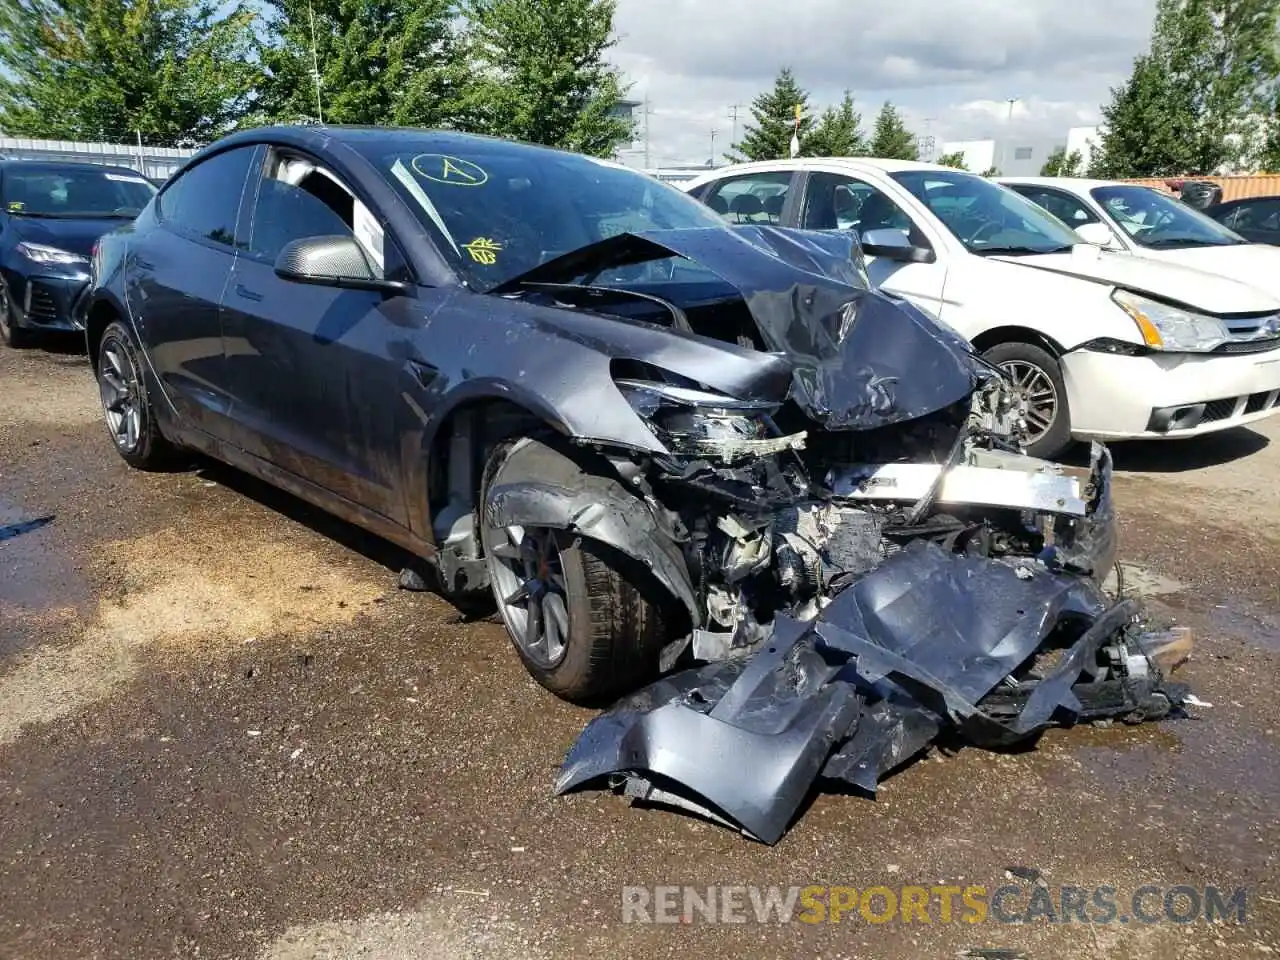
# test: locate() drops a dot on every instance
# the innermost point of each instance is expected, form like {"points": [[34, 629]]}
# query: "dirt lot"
{"points": [[225, 733]]}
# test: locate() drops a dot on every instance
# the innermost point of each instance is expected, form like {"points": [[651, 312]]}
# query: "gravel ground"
{"points": [[224, 733]]}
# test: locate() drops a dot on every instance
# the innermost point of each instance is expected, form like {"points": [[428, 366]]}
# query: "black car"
{"points": [[51, 214], [562, 382], [1257, 219]]}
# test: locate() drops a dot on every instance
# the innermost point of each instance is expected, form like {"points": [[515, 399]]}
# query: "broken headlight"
{"points": [[1167, 327], [699, 423]]}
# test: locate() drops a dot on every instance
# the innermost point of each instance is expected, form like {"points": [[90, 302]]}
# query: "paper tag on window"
{"points": [[370, 234], [122, 179]]}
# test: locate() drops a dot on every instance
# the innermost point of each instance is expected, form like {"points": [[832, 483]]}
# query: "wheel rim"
{"points": [[527, 571], [118, 385], [1034, 387]]}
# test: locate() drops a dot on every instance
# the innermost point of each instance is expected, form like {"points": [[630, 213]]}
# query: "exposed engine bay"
{"points": [[868, 560]]}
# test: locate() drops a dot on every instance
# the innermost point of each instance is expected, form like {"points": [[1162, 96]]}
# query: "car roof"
{"points": [[53, 166], [1067, 183], [884, 164], [318, 136]]}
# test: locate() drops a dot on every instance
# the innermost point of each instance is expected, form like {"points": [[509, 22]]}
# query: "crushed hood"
{"points": [[860, 359], [1200, 289]]}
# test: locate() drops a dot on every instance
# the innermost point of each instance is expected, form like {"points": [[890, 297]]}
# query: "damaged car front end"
{"points": [[867, 560]]}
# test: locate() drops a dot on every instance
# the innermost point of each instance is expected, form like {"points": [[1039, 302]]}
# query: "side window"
{"points": [[750, 198], [835, 201], [1070, 210], [205, 200], [297, 199]]}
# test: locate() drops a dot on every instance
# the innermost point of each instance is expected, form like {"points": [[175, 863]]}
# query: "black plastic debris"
{"points": [[929, 642], [11, 530]]}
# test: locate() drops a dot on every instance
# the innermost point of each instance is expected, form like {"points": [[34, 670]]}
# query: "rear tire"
{"points": [[1036, 372], [126, 404], [616, 613]]}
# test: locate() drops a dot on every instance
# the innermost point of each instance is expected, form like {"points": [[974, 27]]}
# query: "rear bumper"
{"points": [[1168, 396], [46, 303]]}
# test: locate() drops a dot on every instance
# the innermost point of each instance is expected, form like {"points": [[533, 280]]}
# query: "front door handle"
{"points": [[424, 372], [243, 291]]}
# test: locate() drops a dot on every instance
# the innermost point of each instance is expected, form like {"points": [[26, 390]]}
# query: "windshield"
{"points": [[501, 209], [80, 192], [985, 217], [1155, 220]]}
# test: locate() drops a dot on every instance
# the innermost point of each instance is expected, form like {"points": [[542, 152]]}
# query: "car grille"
{"points": [[1219, 410], [41, 307]]}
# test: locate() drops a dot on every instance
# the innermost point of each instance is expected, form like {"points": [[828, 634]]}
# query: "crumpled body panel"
{"points": [[860, 359], [915, 647]]}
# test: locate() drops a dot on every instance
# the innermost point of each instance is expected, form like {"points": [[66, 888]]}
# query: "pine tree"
{"points": [[1187, 106], [837, 133], [380, 62], [541, 76], [891, 138], [769, 138], [110, 69]]}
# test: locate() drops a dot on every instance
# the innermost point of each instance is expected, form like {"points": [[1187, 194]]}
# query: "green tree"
{"points": [[1059, 163], [380, 62], [837, 132], [540, 74], [953, 160], [110, 69], [774, 112], [891, 138], [1189, 104]]}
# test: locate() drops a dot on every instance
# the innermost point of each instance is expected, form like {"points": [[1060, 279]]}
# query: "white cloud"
{"points": [[950, 65]]}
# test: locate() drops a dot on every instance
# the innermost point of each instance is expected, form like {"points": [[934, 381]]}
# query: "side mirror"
{"points": [[332, 261], [893, 245], [1097, 234]]}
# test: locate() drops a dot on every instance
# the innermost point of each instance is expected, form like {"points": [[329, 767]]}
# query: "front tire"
{"points": [[1037, 378], [12, 335], [126, 404], [586, 621]]}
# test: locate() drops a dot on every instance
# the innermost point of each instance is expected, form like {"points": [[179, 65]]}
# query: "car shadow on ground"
{"points": [[372, 547], [59, 344], [1177, 456]]}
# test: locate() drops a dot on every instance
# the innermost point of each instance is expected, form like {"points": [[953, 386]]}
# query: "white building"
{"points": [[1013, 157]]}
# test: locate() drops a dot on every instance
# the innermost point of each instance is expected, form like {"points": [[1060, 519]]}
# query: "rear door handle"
{"points": [[243, 291]]}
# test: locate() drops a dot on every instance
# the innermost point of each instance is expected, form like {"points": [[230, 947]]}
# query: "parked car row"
{"points": [[1118, 312]]}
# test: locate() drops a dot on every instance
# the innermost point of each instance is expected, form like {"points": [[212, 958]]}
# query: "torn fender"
{"points": [[541, 487]]}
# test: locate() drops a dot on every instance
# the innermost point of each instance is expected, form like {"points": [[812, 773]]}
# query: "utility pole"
{"points": [[315, 61], [646, 130], [733, 115], [712, 161], [1007, 135], [927, 142]]}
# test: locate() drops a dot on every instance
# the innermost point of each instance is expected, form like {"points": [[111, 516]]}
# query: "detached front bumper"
{"points": [[46, 302], [1164, 396]]}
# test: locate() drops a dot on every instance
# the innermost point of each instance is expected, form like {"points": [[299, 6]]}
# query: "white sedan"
{"points": [[1101, 345], [1137, 220]]}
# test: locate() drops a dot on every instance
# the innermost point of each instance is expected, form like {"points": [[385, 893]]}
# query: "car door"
{"points": [[840, 201], [177, 273], [313, 370]]}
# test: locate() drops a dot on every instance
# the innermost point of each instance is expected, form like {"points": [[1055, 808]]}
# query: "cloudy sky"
{"points": [[950, 65]]}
